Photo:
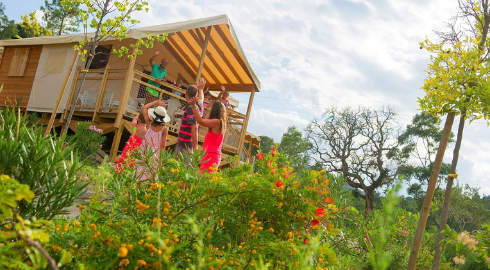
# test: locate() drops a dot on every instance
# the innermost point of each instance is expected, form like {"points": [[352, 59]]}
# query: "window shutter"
{"points": [[19, 62]]}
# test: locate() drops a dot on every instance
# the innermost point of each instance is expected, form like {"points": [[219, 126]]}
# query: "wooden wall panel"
{"points": [[18, 87]]}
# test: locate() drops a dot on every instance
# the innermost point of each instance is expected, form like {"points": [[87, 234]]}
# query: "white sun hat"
{"points": [[159, 114]]}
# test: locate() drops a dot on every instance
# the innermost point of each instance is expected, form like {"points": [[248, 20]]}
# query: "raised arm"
{"points": [[157, 52], [164, 138], [200, 89], [145, 108], [203, 122]]}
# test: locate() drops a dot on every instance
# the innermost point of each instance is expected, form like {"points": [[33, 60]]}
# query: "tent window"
{"points": [[102, 54], [19, 62]]}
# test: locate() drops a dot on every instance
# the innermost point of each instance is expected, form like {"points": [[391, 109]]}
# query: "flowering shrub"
{"points": [[88, 139], [235, 219], [468, 251]]}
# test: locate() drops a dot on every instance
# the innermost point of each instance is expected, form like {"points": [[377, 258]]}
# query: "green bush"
{"points": [[87, 139], [47, 165]]}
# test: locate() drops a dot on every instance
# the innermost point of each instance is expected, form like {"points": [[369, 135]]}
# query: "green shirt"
{"points": [[156, 72]]}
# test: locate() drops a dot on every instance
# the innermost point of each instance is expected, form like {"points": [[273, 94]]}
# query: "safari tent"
{"points": [[45, 72]]}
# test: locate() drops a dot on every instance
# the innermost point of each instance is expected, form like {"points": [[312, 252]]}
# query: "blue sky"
{"points": [[314, 54]]}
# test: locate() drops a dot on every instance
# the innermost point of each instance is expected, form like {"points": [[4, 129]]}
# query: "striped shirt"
{"points": [[188, 119]]}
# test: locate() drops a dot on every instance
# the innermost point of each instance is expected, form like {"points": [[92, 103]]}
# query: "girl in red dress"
{"points": [[216, 124]]}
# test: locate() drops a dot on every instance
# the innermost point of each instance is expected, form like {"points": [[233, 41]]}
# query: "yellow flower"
{"points": [[105, 204], [67, 225], [279, 205], [56, 248], [77, 224], [271, 230], [290, 234], [57, 228], [123, 252], [124, 262], [141, 263], [81, 207], [93, 226]]}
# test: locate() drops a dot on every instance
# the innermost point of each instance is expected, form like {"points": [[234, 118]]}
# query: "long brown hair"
{"points": [[218, 111]]}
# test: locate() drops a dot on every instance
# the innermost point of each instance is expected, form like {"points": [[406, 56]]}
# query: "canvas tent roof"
{"points": [[225, 62]]}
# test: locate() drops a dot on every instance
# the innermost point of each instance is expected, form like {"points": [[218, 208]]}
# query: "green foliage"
{"points": [[110, 19], [87, 139], [379, 239], [30, 27], [223, 220], [39, 162], [294, 146], [60, 19], [421, 140], [464, 212], [468, 251], [458, 73], [17, 234], [8, 28], [266, 144]]}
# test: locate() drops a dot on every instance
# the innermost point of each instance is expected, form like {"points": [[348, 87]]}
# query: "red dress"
{"points": [[212, 145], [132, 145]]}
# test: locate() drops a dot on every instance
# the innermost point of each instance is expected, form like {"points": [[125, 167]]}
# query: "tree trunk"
{"points": [[369, 198], [447, 194], [79, 88], [424, 213]]}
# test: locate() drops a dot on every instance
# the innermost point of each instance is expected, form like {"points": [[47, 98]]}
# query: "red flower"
{"points": [[279, 183], [314, 222], [320, 212], [260, 156], [328, 200], [274, 150], [273, 171], [306, 241]]}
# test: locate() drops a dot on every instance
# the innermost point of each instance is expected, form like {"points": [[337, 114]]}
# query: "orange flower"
{"points": [[260, 156], [328, 200], [306, 241]]}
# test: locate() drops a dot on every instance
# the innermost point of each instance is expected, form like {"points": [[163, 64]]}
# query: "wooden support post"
{"points": [[203, 53], [245, 122], [72, 93], [60, 95], [126, 90], [424, 212], [100, 98], [115, 143], [250, 150]]}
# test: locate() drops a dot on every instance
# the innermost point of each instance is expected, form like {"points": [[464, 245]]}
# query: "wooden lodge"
{"points": [[45, 72]]}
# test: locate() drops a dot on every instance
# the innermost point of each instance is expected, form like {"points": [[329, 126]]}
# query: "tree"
{"points": [[109, 18], [458, 83], [60, 19], [421, 139], [465, 212], [30, 27], [295, 147], [359, 143], [266, 144], [8, 28]]}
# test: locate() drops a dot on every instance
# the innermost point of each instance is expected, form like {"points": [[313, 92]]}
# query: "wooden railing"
{"points": [[101, 79]]}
